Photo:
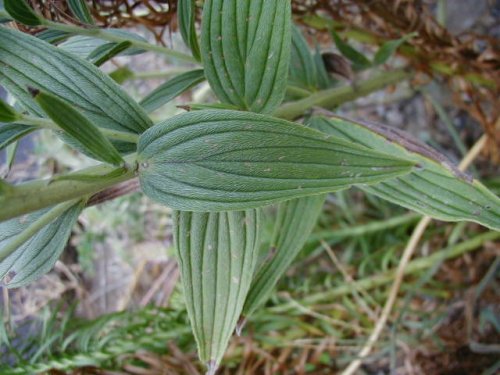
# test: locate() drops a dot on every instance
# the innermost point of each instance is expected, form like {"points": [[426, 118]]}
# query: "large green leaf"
{"points": [[223, 160], [30, 245], [171, 89], [245, 48], [436, 188], [186, 14], [294, 222], [28, 61], [217, 255]]}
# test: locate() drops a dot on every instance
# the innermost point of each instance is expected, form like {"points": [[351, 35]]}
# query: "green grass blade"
{"points": [[435, 188], [217, 255], [222, 160]]}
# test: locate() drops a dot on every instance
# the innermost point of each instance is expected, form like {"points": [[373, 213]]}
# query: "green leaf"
{"points": [[186, 16], [358, 59], [217, 256], [30, 245], [107, 51], [171, 89], [8, 113], [302, 65], [4, 16], [81, 11], [245, 48], [294, 222], [12, 132], [52, 36], [324, 80], [78, 127], [436, 188], [26, 61], [223, 160], [121, 74], [390, 47], [22, 12], [10, 155]]}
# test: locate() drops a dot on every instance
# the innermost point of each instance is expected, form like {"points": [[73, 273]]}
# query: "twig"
{"points": [[398, 279]]}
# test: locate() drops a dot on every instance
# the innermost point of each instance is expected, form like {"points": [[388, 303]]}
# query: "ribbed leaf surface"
{"points": [[28, 61], [294, 222], [245, 51], [217, 255], [223, 160], [44, 242], [81, 10], [435, 188]]}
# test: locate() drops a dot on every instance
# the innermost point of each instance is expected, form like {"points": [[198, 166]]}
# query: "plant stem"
{"points": [[49, 124], [102, 34], [413, 267], [331, 98], [35, 195]]}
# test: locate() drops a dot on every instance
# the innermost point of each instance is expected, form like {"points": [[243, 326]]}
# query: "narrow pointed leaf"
{"points": [[436, 188], [217, 255], [387, 49], [302, 64], [30, 245], [26, 61], [245, 48], [81, 11], [358, 59], [79, 128], [171, 89], [107, 51], [295, 221], [52, 36], [8, 113], [10, 155], [12, 132], [90, 48], [186, 16], [22, 12], [222, 160]]}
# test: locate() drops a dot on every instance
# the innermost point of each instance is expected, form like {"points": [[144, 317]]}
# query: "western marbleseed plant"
{"points": [[215, 166]]}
